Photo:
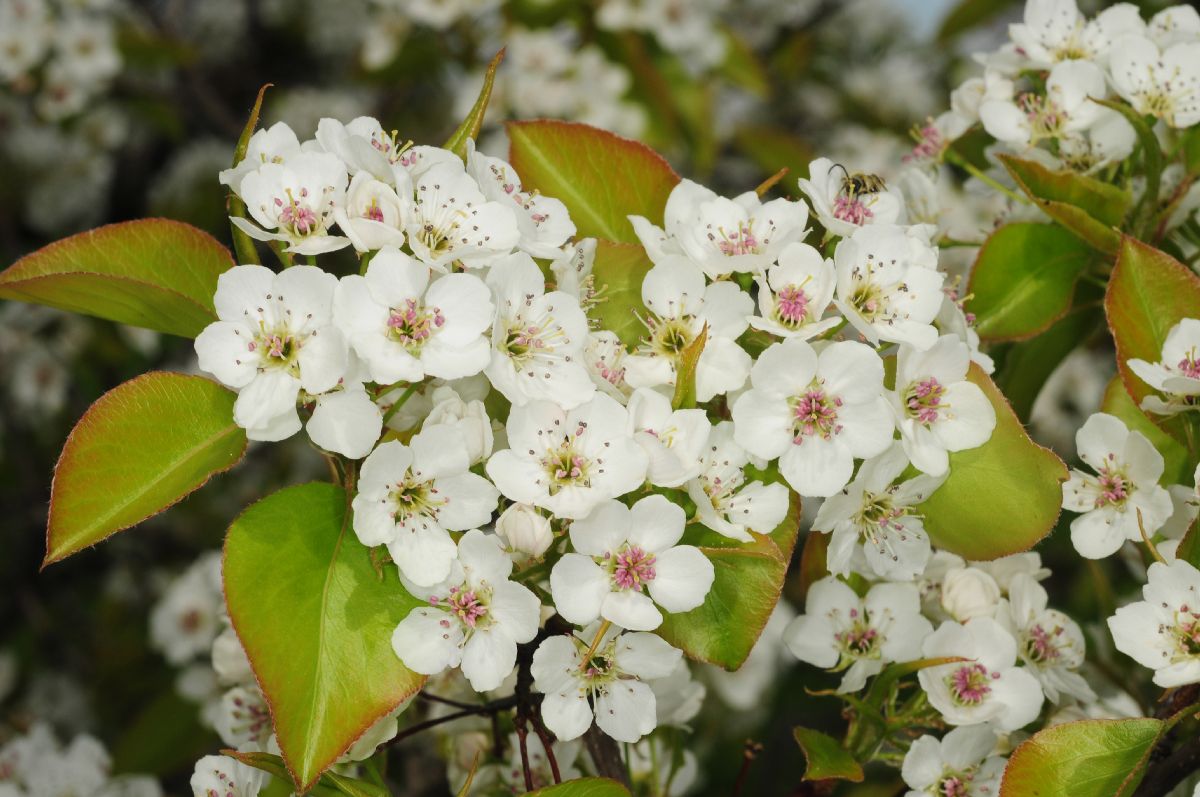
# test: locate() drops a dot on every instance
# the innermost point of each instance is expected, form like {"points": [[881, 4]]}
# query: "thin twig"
{"points": [[750, 752], [488, 708], [522, 732], [547, 745]]}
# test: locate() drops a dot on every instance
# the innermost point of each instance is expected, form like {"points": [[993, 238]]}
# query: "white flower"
{"points": [[604, 357], [537, 337], [840, 211], [612, 677], [989, 687], [476, 617], [450, 219], [888, 286], [525, 531], [1177, 374], [274, 144], [953, 320], [624, 553], [1174, 24], [877, 516], [294, 201], [745, 688], [243, 720], [1162, 632], [275, 336], [346, 421], [229, 659], [722, 235], [1049, 642], [1164, 84], [410, 496], [842, 631], [680, 307], [185, 622], [372, 216], [1053, 31], [364, 146], [672, 439], [960, 764], [222, 776], [937, 410], [405, 328], [568, 461], [540, 771], [1128, 468], [968, 592], [725, 501], [678, 698], [544, 223], [1025, 119], [468, 417], [815, 413], [794, 294], [572, 269]]}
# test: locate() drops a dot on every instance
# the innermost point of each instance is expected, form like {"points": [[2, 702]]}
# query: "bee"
{"points": [[858, 183]]}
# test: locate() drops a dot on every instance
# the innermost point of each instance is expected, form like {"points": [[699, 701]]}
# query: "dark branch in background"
{"points": [[1166, 768], [750, 751], [486, 708]]}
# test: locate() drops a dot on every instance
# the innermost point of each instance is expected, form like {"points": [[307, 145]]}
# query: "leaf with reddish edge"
{"points": [[583, 787], [1088, 758], [1089, 208], [684, 397], [153, 273], [827, 759], [1000, 498], [618, 271], [473, 123], [601, 177], [139, 449], [1149, 292], [316, 622]]}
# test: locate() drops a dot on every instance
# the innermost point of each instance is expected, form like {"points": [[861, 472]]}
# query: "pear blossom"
{"points": [[540, 772], [372, 215], [1163, 83], [794, 294], [840, 212], [1177, 374], [672, 439], [1024, 119], [839, 630], [450, 220], [726, 501], [988, 687], [969, 592], [1174, 24], [1162, 631], [1125, 487], [722, 235], [475, 619], [888, 286], [222, 776], [467, 416], [816, 413], [524, 531], [184, 623], [537, 337], [346, 421], [960, 764], [274, 144], [937, 410], [1054, 31], [613, 678], [877, 516], [410, 497], [678, 697], [681, 307], [406, 328], [275, 337], [572, 269], [244, 719], [568, 461], [623, 553], [544, 223], [952, 319], [364, 146], [293, 202], [604, 357], [1049, 643]]}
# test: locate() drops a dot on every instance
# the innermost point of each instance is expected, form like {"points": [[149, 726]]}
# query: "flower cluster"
{"points": [[37, 764]]}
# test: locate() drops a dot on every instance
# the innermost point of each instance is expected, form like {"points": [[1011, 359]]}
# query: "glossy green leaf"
{"points": [[1089, 758], [1117, 402], [684, 397], [1148, 293], [600, 176], [330, 783], [827, 759], [473, 123], [1000, 498], [1023, 279], [1089, 208], [1028, 364], [139, 449], [747, 585], [583, 787], [316, 623], [153, 273], [243, 244], [618, 271]]}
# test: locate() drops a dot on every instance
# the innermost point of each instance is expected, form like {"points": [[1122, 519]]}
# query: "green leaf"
{"points": [[747, 585], [827, 759], [153, 273], [139, 449], [600, 176], [243, 244], [163, 737], [470, 127], [742, 67], [968, 14], [1089, 758], [330, 783], [618, 271], [1117, 402], [583, 787], [1028, 364], [1023, 279], [316, 622], [1089, 208], [1189, 546], [685, 371], [1149, 292], [1000, 498]]}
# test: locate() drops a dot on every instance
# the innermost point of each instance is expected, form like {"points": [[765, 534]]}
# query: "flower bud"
{"points": [[469, 417], [524, 530], [969, 592]]}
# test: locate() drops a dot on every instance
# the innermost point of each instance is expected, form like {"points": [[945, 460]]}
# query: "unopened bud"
{"points": [[524, 530]]}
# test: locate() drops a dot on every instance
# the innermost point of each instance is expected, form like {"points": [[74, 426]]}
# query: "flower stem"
{"points": [[978, 174], [1146, 537]]}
